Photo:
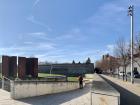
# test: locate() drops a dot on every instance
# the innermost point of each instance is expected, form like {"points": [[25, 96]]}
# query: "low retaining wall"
{"points": [[54, 78], [103, 93], [89, 76], [23, 89]]}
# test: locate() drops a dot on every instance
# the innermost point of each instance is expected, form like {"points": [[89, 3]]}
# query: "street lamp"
{"points": [[51, 69], [131, 14]]}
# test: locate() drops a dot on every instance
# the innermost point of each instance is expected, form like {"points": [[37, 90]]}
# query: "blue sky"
{"points": [[63, 30]]}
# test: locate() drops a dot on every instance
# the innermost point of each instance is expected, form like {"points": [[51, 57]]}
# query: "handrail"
{"points": [[3, 77]]}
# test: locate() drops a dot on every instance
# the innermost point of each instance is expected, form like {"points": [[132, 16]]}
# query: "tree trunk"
{"points": [[118, 72], [123, 73]]}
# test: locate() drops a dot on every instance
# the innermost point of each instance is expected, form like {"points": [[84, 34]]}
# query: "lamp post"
{"points": [[131, 14], [51, 70]]}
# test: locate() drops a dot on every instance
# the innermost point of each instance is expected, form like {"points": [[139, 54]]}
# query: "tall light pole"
{"points": [[51, 70], [131, 14]]}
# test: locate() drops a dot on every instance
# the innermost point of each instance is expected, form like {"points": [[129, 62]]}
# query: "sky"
{"points": [[64, 30]]}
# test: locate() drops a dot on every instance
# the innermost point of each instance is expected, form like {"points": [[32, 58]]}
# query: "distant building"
{"points": [[136, 63], [67, 69]]}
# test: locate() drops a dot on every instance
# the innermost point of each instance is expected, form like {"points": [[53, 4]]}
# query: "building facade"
{"points": [[67, 69], [120, 68]]}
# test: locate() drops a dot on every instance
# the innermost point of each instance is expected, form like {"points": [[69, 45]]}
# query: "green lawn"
{"points": [[72, 78], [42, 75], [46, 74]]}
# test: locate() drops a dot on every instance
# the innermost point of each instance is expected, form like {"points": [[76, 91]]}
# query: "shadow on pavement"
{"points": [[126, 97], [56, 99]]}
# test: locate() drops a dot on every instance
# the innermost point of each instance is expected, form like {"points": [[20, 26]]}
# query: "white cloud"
{"points": [[37, 34], [108, 17], [51, 58], [34, 35], [110, 47], [32, 48], [34, 21], [36, 2], [28, 43], [73, 34], [44, 45], [112, 7]]}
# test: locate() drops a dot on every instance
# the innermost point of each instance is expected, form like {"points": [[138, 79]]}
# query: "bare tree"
{"points": [[108, 64], [98, 64], [113, 64], [137, 44], [122, 51], [137, 50], [103, 65]]}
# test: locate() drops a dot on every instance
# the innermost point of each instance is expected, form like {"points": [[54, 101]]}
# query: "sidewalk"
{"points": [[134, 88]]}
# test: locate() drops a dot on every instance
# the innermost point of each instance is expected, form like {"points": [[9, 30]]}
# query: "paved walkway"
{"points": [[76, 97], [134, 88], [129, 93]]}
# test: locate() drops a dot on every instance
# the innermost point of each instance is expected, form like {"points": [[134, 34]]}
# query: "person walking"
{"points": [[80, 82]]}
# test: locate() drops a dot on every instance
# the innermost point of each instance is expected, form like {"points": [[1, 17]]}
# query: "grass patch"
{"points": [[46, 75], [72, 78], [43, 75]]}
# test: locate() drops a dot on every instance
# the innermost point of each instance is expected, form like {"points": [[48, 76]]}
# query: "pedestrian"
{"points": [[80, 82]]}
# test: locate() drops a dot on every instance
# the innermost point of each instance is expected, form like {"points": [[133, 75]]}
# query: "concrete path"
{"points": [[4, 95], [136, 80], [130, 94], [76, 97]]}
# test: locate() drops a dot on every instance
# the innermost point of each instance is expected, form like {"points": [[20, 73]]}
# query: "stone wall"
{"points": [[89, 76], [23, 89]]}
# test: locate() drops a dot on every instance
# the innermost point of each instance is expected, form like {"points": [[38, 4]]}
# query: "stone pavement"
{"points": [[76, 97], [134, 88], [129, 93]]}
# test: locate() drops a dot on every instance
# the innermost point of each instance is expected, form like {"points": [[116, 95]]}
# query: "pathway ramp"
{"points": [[4, 95], [103, 93], [134, 88]]}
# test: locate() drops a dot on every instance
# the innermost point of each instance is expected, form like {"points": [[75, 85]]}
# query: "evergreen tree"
{"points": [[73, 62], [88, 61]]}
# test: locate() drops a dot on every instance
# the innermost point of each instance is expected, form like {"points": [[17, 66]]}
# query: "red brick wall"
{"points": [[26, 66], [5, 66], [21, 67], [35, 69], [32, 67], [13, 66]]}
